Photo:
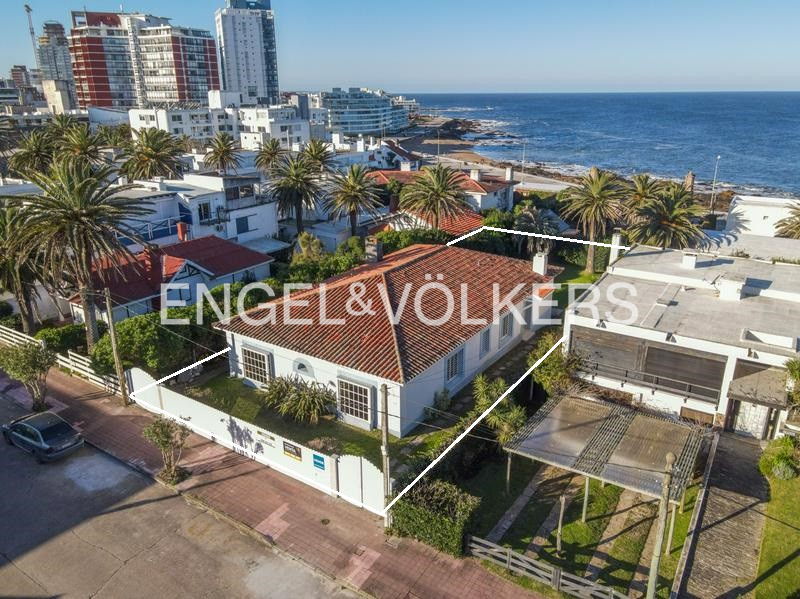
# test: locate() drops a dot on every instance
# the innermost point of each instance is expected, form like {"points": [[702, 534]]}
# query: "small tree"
{"points": [[507, 417], [29, 364], [556, 373], [170, 438]]}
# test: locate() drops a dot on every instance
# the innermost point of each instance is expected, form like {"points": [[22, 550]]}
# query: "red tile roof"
{"points": [[487, 184], [369, 342], [141, 277]]}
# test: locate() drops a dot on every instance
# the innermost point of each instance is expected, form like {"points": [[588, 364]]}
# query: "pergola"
{"points": [[612, 443]]}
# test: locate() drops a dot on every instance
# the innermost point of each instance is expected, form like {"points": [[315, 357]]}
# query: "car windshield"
{"points": [[55, 429]]}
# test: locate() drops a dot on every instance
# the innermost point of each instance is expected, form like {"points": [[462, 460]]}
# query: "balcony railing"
{"points": [[663, 383], [257, 199]]}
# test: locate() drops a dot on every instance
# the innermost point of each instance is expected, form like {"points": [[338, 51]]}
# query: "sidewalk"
{"points": [[336, 538]]}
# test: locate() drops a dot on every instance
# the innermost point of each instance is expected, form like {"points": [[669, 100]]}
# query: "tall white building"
{"points": [[246, 34], [362, 111]]}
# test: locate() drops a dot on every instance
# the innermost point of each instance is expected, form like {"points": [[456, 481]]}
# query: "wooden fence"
{"points": [[76, 364], [552, 576]]}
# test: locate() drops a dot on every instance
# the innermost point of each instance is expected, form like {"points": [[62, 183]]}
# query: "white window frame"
{"points": [[251, 370], [455, 359], [346, 398], [485, 341]]}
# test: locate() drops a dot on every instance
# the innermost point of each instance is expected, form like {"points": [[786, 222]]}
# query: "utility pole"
{"points": [[387, 491], [524, 146], [663, 508], [112, 332]]}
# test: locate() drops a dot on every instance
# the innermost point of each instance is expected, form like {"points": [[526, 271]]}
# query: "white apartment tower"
{"points": [[246, 37]]}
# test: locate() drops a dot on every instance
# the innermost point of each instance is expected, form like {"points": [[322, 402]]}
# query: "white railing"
{"points": [[76, 364]]}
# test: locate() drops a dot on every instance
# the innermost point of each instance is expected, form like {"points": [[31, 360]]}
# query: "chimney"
{"points": [[614, 252], [152, 262], [689, 260], [373, 248], [540, 263], [475, 174], [509, 173], [731, 287], [183, 231]]}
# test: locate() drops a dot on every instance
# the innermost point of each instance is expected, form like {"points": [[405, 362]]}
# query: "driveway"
{"points": [[90, 527]]}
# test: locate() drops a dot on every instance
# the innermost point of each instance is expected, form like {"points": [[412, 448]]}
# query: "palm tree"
{"points": [[790, 226], [269, 154], [642, 189], [507, 417], [534, 220], [34, 153], [319, 155], [295, 183], [666, 221], [78, 217], [59, 125], [435, 194], [17, 276], [593, 203], [223, 153], [115, 136], [353, 192], [154, 153], [80, 144]]}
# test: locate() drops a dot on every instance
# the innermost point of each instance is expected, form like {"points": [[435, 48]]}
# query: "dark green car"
{"points": [[47, 436]]}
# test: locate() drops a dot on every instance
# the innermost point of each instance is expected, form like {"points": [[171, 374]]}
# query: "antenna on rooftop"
{"points": [[28, 11]]}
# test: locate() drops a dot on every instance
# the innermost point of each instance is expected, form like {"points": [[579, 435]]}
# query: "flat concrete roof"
{"points": [[727, 243], [686, 301], [611, 442]]}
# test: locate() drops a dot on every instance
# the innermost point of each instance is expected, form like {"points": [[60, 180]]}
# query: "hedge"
{"points": [[572, 253], [435, 512], [61, 339]]}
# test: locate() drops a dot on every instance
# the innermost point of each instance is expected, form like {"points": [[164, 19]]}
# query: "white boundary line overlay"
{"points": [[181, 371], [541, 235], [489, 409], [473, 425]]}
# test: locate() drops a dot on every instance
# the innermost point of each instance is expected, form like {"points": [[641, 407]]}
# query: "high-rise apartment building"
{"points": [[128, 60], [246, 34], [21, 76], [55, 64], [362, 111]]}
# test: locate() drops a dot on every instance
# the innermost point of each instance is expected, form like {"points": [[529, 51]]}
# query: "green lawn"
{"points": [[572, 275], [233, 397], [626, 551], [490, 485], [779, 568], [669, 559], [579, 539]]}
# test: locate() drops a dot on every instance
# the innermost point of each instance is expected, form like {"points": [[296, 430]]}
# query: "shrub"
{"points": [[12, 322], [170, 438], [557, 371], [779, 459], [572, 253], [5, 309], [298, 399], [397, 240], [435, 512], [29, 364], [62, 339]]}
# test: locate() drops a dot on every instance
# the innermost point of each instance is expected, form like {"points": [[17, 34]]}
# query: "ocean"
{"points": [[756, 134]]}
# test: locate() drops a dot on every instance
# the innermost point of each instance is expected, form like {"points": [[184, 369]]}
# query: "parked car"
{"points": [[45, 435]]}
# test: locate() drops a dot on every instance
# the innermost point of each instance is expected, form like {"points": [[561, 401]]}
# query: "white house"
{"points": [[229, 206], [701, 336], [135, 286], [427, 350], [757, 215], [482, 191]]}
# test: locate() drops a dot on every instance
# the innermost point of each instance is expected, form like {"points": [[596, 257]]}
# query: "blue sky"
{"points": [[497, 45]]}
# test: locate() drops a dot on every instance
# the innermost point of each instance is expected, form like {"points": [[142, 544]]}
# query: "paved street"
{"points": [[90, 527]]}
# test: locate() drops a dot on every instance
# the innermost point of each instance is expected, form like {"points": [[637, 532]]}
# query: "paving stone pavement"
{"points": [[725, 559], [337, 539], [639, 581]]}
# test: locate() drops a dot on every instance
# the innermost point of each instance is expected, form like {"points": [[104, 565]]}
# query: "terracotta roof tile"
{"points": [[369, 342]]}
